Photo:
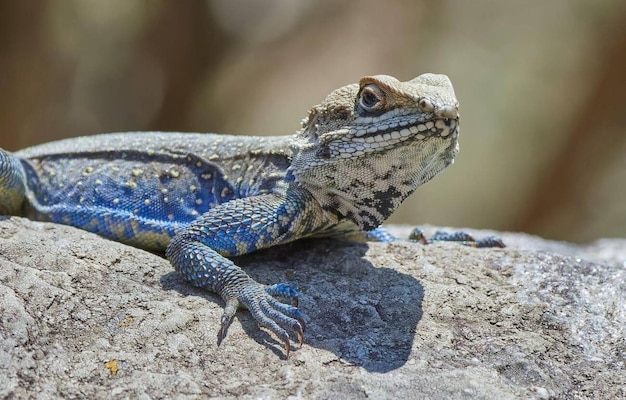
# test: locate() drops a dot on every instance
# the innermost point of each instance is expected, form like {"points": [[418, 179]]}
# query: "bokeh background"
{"points": [[541, 84]]}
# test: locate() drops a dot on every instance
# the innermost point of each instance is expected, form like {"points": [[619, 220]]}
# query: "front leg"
{"points": [[239, 227]]}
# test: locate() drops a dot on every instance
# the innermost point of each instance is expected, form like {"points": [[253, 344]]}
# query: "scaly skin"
{"points": [[202, 198]]}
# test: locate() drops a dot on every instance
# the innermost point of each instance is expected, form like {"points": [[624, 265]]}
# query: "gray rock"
{"points": [[84, 317]]}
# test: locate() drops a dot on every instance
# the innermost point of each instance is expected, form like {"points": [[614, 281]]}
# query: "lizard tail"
{"points": [[12, 184]]}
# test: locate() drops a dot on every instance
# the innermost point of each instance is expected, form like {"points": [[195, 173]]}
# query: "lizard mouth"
{"points": [[362, 140], [359, 141], [441, 127]]}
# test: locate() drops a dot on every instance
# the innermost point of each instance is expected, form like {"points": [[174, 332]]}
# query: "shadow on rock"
{"points": [[365, 315]]}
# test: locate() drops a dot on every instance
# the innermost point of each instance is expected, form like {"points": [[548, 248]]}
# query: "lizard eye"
{"points": [[427, 105], [371, 98]]}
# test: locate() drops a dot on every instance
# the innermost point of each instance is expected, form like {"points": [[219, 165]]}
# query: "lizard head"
{"points": [[368, 146]]}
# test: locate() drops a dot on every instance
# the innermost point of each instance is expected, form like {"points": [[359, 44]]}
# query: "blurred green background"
{"points": [[541, 84]]}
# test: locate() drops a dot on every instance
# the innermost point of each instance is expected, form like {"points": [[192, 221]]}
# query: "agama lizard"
{"points": [[201, 198]]}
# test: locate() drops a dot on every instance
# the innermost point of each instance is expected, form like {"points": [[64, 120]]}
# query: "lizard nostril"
{"points": [[448, 112], [447, 121]]}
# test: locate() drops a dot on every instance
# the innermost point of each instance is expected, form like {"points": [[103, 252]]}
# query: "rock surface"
{"points": [[83, 317]]}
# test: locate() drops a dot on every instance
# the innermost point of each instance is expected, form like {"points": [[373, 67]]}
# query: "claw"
{"points": [[227, 318], [225, 323], [302, 324], [300, 333], [300, 338], [287, 347]]}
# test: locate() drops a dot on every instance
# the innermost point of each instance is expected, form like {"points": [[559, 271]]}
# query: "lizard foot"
{"points": [[460, 237], [269, 312]]}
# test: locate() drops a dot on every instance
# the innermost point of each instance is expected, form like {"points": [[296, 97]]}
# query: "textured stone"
{"points": [[84, 317]]}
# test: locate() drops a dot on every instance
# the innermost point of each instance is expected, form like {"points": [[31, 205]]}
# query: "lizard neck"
{"points": [[367, 190]]}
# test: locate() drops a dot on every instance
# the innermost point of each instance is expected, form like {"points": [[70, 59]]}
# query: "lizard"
{"points": [[201, 199]]}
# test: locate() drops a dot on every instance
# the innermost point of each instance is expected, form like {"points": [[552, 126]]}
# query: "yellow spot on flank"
{"points": [[198, 201], [98, 182], [112, 366], [193, 188], [79, 183], [206, 176], [170, 217], [87, 171], [146, 202], [214, 157], [164, 190], [134, 225], [137, 172], [131, 184], [240, 179], [166, 199], [91, 225], [116, 201], [174, 174], [242, 248], [199, 164], [194, 212], [81, 200], [150, 152]]}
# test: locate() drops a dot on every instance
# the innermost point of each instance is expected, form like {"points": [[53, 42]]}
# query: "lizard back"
{"points": [[141, 188]]}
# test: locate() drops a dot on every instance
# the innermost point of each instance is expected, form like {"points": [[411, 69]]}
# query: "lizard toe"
{"points": [[290, 311], [276, 321], [227, 318], [283, 290], [272, 314]]}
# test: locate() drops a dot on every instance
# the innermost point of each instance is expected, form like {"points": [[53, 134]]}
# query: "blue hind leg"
{"points": [[459, 237], [381, 235]]}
